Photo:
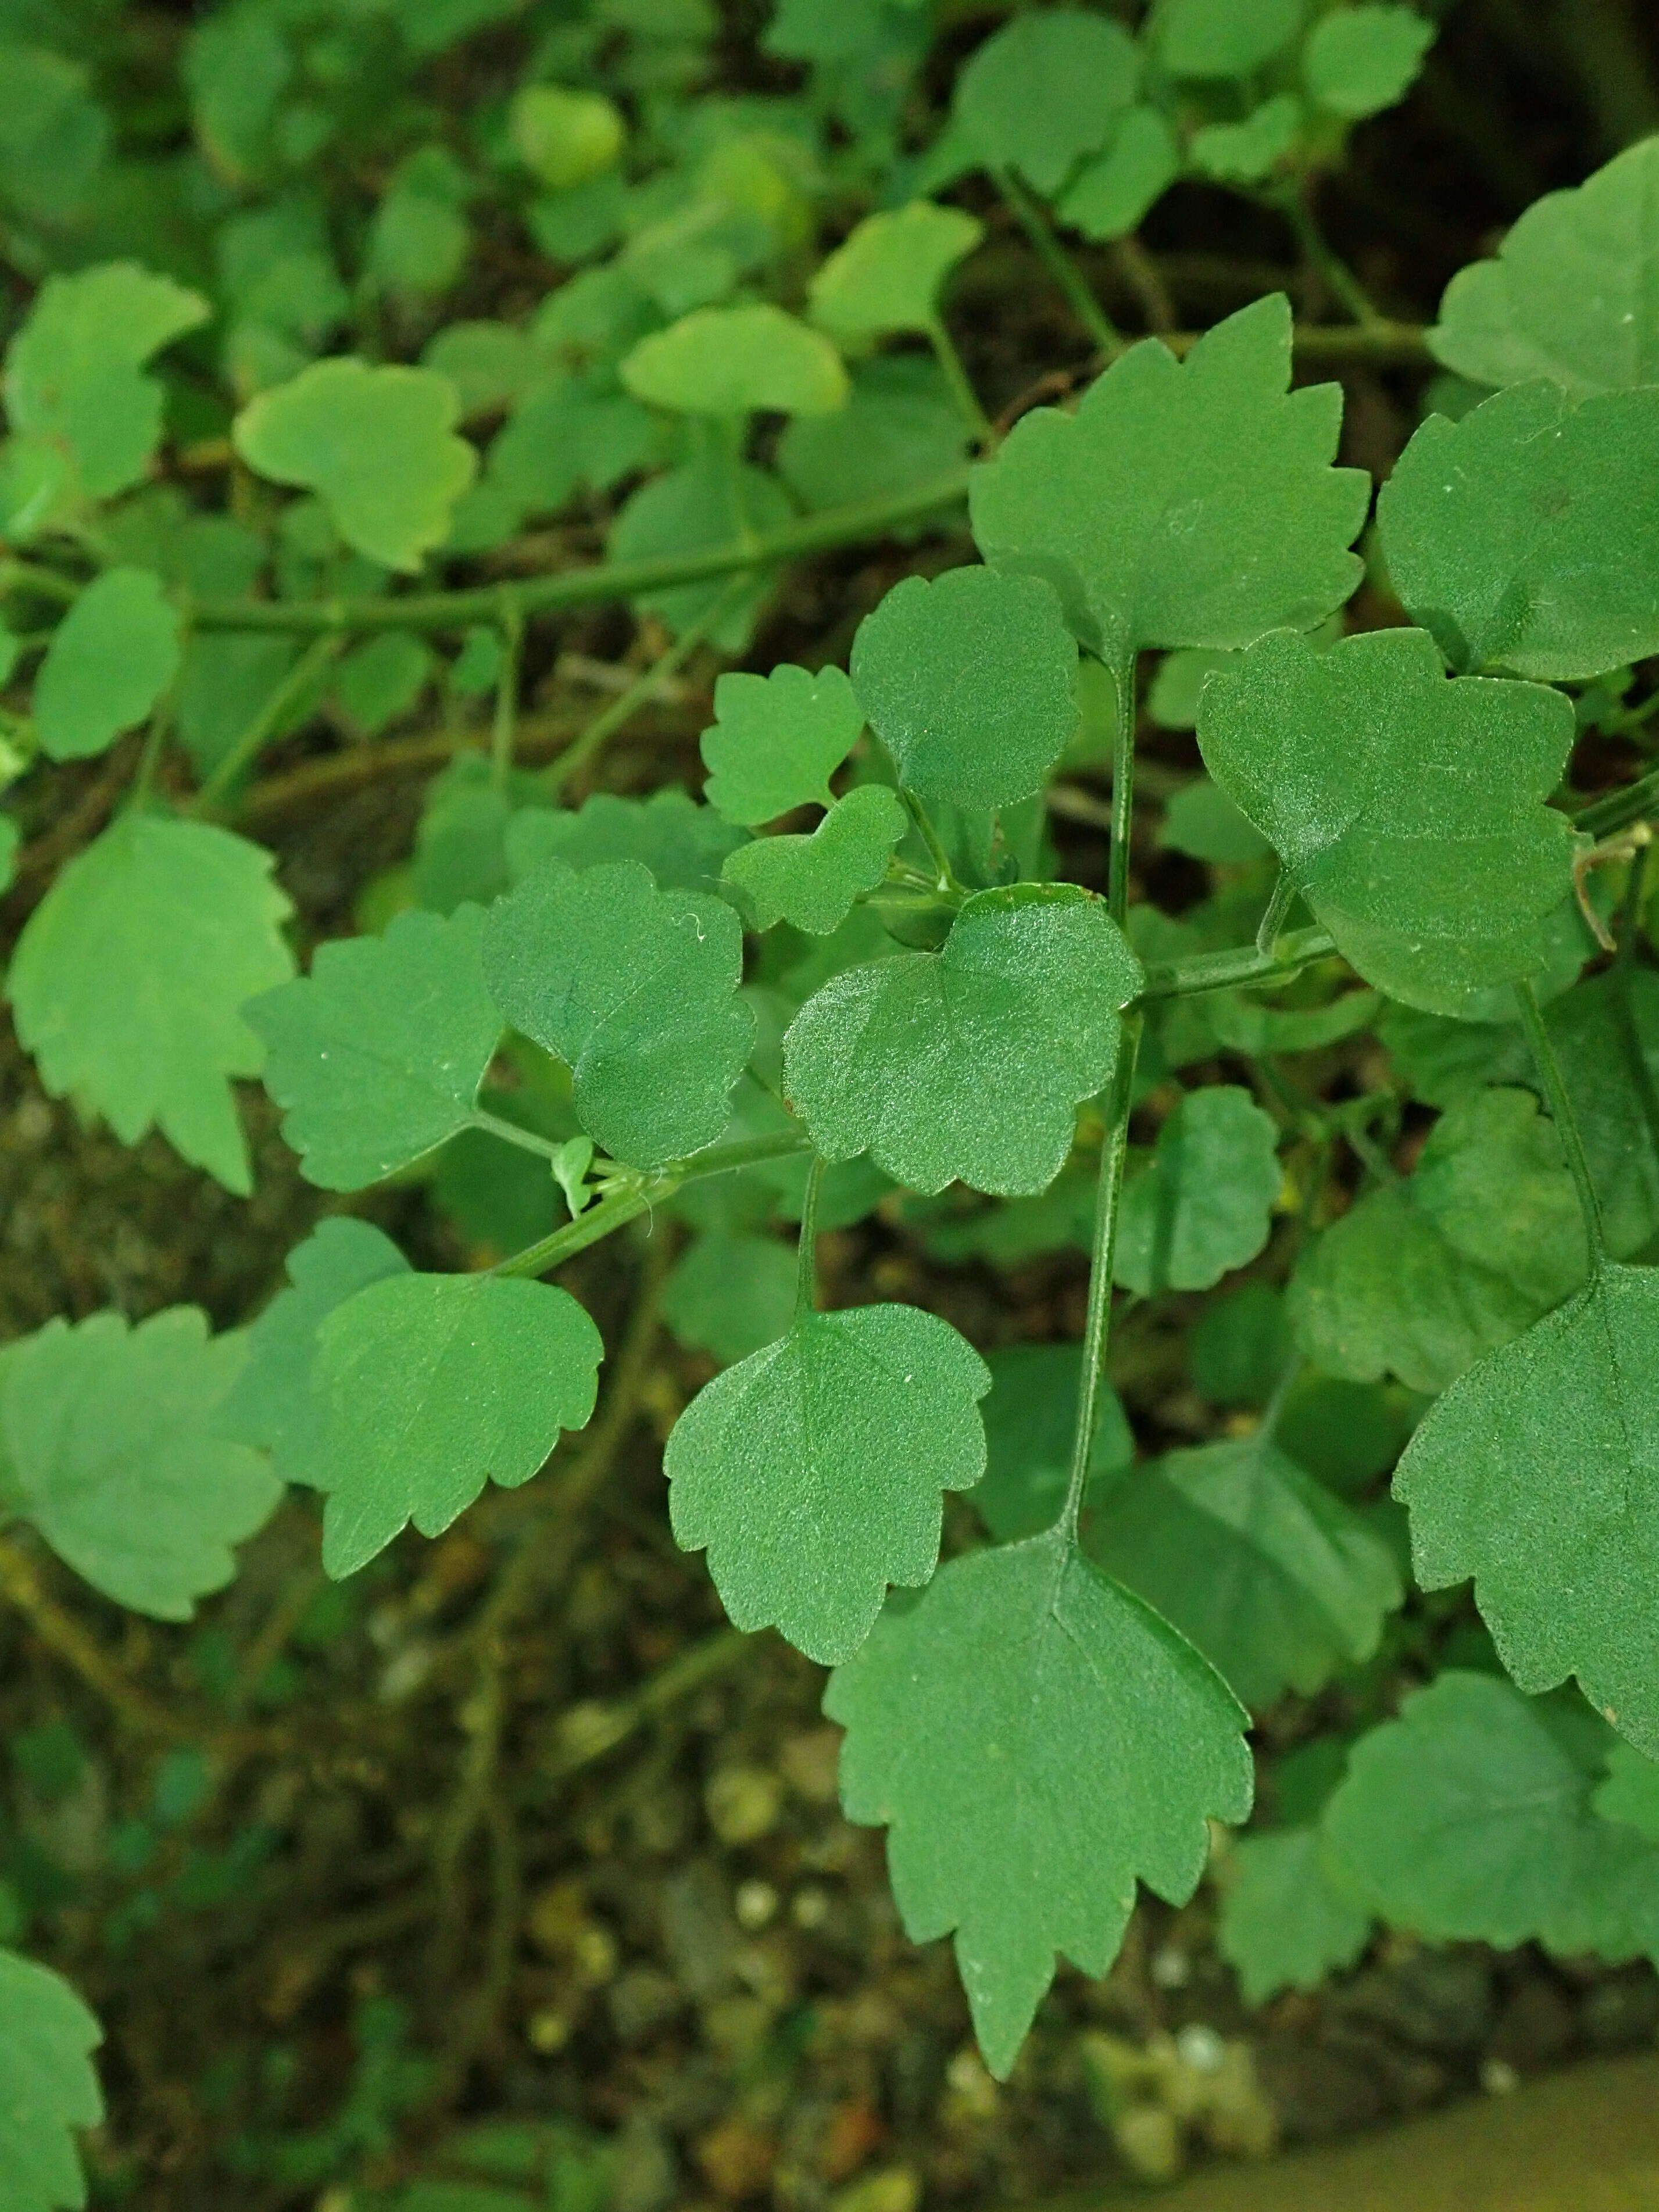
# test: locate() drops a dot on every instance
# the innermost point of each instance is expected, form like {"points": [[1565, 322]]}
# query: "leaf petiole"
{"points": [[1113, 1151], [1566, 1120]]}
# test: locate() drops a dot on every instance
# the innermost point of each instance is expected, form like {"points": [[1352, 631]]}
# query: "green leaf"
{"points": [[1571, 295], [1244, 152], [1360, 60], [681, 843], [1535, 1474], [1630, 1796], [1185, 503], [705, 502], [970, 683], [1522, 536], [433, 1385], [1277, 1583], [1112, 194], [635, 990], [1045, 90], [1240, 1347], [382, 679], [377, 444], [1035, 1739], [376, 1057], [728, 1295], [969, 1063], [271, 1402], [1468, 1820], [110, 660], [1201, 820], [1222, 38], [1422, 1277], [776, 740], [565, 137], [1029, 1420], [1408, 810], [1284, 1924], [74, 377], [730, 361], [47, 2087], [889, 274], [813, 882], [109, 1447], [1203, 1204], [898, 431], [130, 975], [811, 1472]]}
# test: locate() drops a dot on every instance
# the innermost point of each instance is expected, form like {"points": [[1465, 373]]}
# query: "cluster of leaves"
{"points": [[848, 977]]}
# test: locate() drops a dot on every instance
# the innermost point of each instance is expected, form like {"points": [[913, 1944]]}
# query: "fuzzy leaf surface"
{"points": [[811, 1472], [968, 1064], [812, 882], [48, 2087], [1408, 810], [1185, 503], [110, 660], [1035, 1740], [970, 683], [776, 740], [1523, 536], [108, 1447], [1203, 1204], [1538, 1474], [889, 272], [435, 1385], [681, 843], [635, 989], [130, 975], [376, 1057], [1284, 1924]]}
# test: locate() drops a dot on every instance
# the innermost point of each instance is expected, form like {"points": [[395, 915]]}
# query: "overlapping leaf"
{"points": [[1035, 1740], [681, 843], [1408, 810], [47, 2087], [1045, 90], [969, 1063], [812, 882], [1203, 1203], [1283, 1923], [811, 1472], [776, 740]]}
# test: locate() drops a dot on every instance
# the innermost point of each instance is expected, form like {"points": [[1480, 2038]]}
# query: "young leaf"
{"points": [[75, 376], [565, 137], [271, 1402], [433, 1385], [811, 1472], [1035, 1739], [969, 1063], [1421, 1278], [776, 740], [1185, 503], [1360, 60], [970, 683], [729, 1295], [681, 843], [1468, 1820], [1571, 295], [1045, 90], [1223, 37], [1283, 1923], [889, 274], [1408, 810], [635, 990], [1202, 1204], [109, 1448], [1523, 537], [378, 445], [130, 975], [1535, 1474], [1028, 1419], [47, 2087], [1244, 152], [732, 361], [376, 1057], [1277, 1583], [812, 882], [110, 660]]}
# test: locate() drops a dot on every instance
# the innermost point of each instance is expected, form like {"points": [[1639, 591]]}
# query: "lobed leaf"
{"points": [[1044, 90], [776, 740], [1112, 193], [48, 2087], [968, 1064], [1203, 1204], [1283, 1923], [110, 660], [376, 1058], [811, 1472], [888, 273], [1359, 60], [813, 882], [1035, 1739], [682, 844]]}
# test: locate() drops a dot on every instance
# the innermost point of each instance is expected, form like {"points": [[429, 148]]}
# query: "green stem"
{"points": [[1278, 906], [945, 884], [974, 415], [1113, 1147], [1320, 255], [242, 754], [45, 583], [1567, 1121], [572, 765], [496, 1125], [1123, 785], [806, 1251], [1617, 810], [1059, 266], [1232, 970], [510, 626], [651, 1187]]}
